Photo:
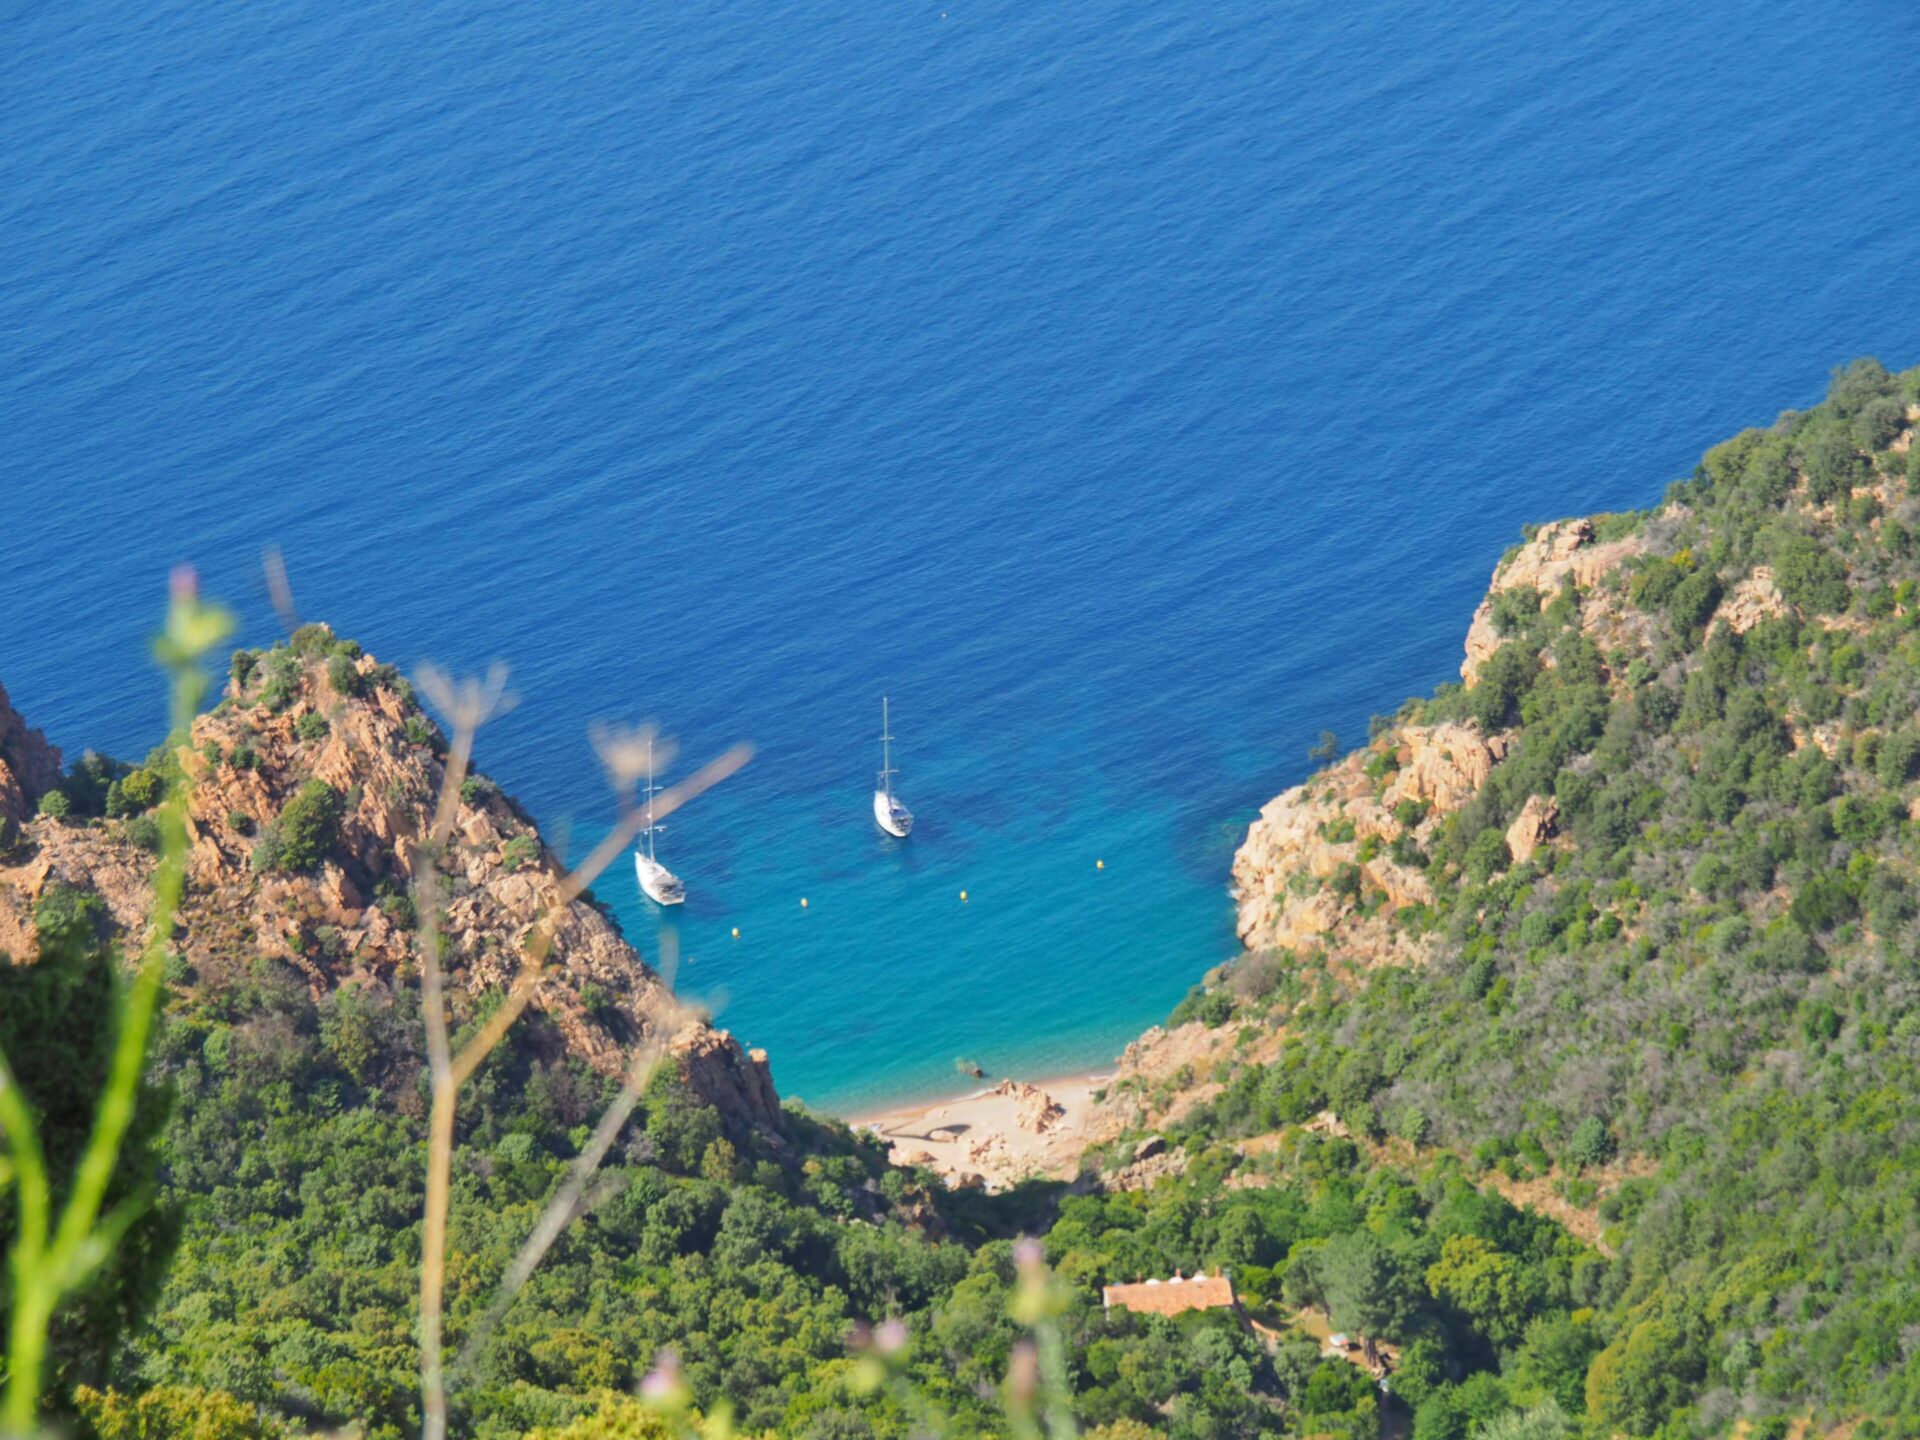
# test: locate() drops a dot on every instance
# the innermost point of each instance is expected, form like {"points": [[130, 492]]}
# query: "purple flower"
{"points": [[663, 1381]]}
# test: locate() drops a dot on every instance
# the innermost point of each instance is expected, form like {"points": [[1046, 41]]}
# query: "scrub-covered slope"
{"points": [[1629, 917]]}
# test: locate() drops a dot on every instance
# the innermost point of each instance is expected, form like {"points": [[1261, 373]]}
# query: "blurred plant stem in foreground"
{"points": [[467, 705], [54, 1256]]}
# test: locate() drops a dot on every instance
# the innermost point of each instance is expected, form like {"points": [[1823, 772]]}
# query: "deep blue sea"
{"points": [[1130, 392]]}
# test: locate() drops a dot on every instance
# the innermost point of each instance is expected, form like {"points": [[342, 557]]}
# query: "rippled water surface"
{"points": [[1130, 392]]}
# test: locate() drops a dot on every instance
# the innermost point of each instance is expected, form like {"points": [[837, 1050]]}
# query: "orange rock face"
{"points": [[1343, 818], [1537, 822], [29, 766], [1564, 550], [345, 923]]}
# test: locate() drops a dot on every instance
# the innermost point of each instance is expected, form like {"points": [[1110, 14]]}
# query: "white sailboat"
{"points": [[888, 813], [662, 886]]}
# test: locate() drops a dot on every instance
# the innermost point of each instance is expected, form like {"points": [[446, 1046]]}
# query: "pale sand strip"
{"points": [[1004, 1133]]}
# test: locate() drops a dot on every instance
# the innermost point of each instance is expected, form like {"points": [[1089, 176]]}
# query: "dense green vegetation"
{"points": [[1713, 973], [297, 1155], [1688, 1021]]}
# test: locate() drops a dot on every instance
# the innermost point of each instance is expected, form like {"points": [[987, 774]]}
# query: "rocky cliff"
{"points": [[322, 712], [1331, 864], [1322, 861], [29, 766], [1335, 865]]}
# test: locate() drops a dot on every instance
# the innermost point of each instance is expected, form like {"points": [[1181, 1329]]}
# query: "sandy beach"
{"points": [[1016, 1129], [1001, 1134]]}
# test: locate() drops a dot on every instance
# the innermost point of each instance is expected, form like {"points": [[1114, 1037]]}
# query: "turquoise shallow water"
{"points": [[1129, 393]]}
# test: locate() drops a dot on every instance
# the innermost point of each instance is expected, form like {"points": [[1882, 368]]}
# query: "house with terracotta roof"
{"points": [[1174, 1296]]}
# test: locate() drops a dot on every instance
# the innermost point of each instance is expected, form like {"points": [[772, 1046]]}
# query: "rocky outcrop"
{"points": [[1143, 1173], [1537, 822], [29, 766], [735, 1081], [1754, 599], [39, 853], [1035, 1111], [1443, 765], [52, 853], [1318, 870], [1344, 820], [1566, 549], [348, 921]]}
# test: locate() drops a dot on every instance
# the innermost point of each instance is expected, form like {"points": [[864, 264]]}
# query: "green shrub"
{"points": [[269, 852], [282, 684], [1486, 856], [173, 1410], [312, 726], [1504, 679], [1809, 575], [520, 851], [478, 790], [1513, 610], [143, 831], [1854, 385], [310, 640], [55, 804], [397, 905], [344, 676], [1833, 463], [67, 916], [307, 827], [136, 791], [1591, 1143], [1214, 1009], [1694, 600], [1824, 902], [1653, 586], [89, 782]]}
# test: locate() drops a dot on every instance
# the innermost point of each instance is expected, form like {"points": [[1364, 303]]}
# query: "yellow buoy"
{"points": [[1099, 864], [736, 932], [963, 894], [803, 902]]}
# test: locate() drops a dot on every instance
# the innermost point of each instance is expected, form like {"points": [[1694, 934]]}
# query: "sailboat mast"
{"points": [[886, 749], [650, 794]]}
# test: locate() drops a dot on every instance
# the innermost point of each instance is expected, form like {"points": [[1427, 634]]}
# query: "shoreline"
{"points": [[870, 1114], [998, 1134], [994, 1136]]}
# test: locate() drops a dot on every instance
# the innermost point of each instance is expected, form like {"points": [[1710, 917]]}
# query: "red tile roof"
{"points": [[1170, 1297]]}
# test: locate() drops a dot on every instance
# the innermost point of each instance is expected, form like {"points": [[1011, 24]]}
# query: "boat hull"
{"points": [[891, 816], [659, 884]]}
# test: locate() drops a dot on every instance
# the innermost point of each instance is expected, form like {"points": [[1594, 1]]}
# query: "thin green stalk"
{"points": [[26, 1341], [45, 1272], [467, 706]]}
